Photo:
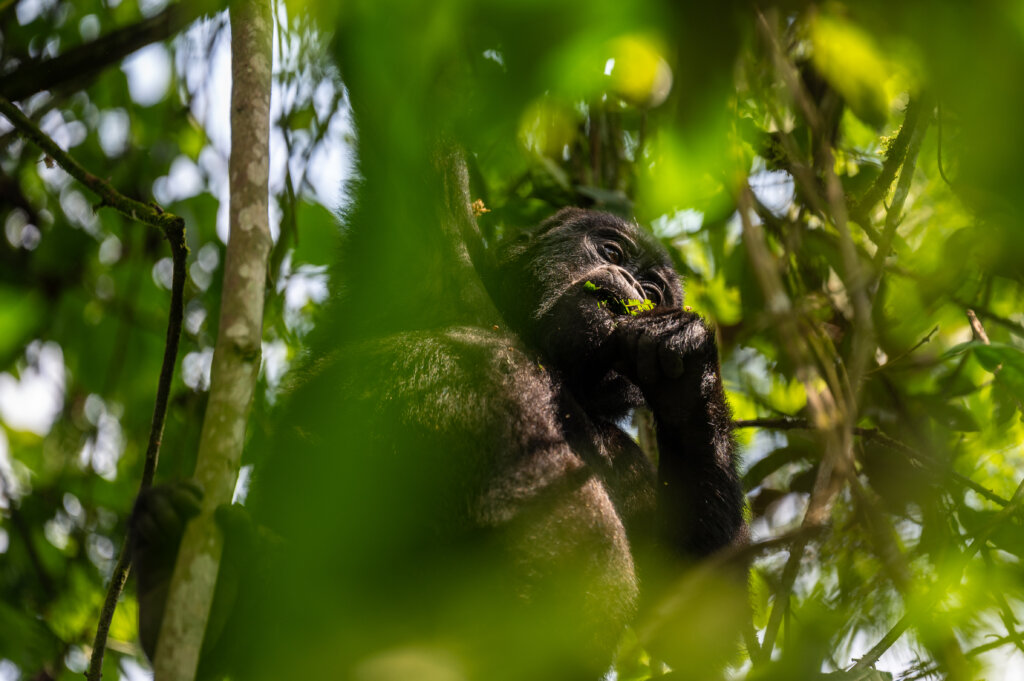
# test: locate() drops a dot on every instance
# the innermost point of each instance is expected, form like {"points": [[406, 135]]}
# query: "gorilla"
{"points": [[461, 500]]}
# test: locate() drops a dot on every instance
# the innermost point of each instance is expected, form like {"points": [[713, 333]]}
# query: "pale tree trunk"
{"points": [[236, 357]]}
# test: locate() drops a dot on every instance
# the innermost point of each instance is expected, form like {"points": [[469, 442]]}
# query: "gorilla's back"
{"points": [[433, 513]]}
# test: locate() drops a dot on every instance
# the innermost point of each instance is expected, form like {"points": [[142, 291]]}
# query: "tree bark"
{"points": [[236, 357]]}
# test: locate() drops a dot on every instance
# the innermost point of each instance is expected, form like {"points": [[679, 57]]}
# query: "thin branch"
{"points": [[1006, 613], [939, 589], [789, 423], [173, 228], [894, 215], [872, 656], [135, 210], [832, 207], [977, 328], [887, 548], [979, 334], [1013, 327], [114, 588], [1016, 328], [903, 355], [893, 161], [677, 597], [992, 645], [175, 315], [781, 606], [79, 64]]}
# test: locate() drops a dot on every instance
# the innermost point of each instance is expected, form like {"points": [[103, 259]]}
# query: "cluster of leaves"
{"points": [[630, 306], [839, 185]]}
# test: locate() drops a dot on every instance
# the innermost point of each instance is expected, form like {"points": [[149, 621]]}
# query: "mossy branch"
{"points": [[173, 228], [894, 159]]}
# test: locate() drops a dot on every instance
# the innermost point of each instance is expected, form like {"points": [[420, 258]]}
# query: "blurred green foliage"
{"points": [[766, 146]]}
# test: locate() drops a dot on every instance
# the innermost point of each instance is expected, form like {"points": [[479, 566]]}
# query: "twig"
{"points": [[833, 207], [117, 581], [872, 656], [179, 254], [781, 606], [173, 228], [938, 590], [1016, 328], [992, 645], [789, 423], [979, 334], [947, 650], [135, 210], [1013, 327], [1006, 613], [907, 353], [977, 328]]}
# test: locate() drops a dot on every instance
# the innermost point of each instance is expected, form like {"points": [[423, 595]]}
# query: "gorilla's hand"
{"points": [[156, 526], [672, 358], [160, 515]]}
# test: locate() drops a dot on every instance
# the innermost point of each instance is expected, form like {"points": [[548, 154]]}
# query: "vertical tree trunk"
{"points": [[236, 356]]}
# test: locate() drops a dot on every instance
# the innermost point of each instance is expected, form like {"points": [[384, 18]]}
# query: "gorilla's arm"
{"points": [[157, 524], [673, 358]]}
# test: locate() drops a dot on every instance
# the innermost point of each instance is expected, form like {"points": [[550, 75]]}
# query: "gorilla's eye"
{"points": [[653, 292], [612, 252]]}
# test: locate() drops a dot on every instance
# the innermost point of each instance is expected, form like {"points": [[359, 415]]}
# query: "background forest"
{"points": [[840, 185]]}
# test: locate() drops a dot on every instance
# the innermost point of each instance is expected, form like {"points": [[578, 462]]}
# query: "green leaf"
{"points": [[633, 307], [1007, 362], [1005, 403]]}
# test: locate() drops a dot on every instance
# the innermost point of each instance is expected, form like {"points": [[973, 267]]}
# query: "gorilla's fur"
{"points": [[462, 497]]}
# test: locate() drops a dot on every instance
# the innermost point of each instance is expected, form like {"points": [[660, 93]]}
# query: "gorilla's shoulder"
{"points": [[468, 373]]}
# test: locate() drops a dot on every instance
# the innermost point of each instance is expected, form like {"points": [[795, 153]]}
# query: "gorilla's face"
{"points": [[562, 284]]}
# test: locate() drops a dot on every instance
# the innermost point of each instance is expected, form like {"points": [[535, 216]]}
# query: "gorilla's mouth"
{"points": [[617, 304]]}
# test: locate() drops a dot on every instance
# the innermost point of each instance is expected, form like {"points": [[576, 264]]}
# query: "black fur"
{"points": [[484, 513]]}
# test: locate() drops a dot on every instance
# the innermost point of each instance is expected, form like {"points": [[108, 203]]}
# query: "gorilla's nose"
{"points": [[630, 286]]}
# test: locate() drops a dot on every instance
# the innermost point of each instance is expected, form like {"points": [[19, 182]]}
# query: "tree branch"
{"points": [[894, 215], [135, 210], [939, 590], [893, 161], [173, 228], [79, 64], [789, 423], [236, 357]]}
